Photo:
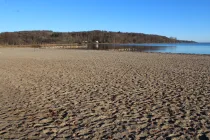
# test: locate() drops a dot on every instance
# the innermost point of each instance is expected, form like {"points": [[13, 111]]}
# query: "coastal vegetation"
{"points": [[50, 37]]}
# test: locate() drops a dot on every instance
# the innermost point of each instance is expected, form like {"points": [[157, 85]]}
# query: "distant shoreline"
{"points": [[76, 44], [50, 37]]}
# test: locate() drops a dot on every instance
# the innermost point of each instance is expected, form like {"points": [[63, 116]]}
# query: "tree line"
{"points": [[50, 37]]}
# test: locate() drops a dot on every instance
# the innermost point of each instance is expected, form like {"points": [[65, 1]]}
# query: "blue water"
{"points": [[186, 48]]}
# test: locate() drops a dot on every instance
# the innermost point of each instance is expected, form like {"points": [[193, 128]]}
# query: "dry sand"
{"points": [[81, 94]]}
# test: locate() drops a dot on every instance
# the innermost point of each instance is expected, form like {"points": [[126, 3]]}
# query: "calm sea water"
{"points": [[188, 48]]}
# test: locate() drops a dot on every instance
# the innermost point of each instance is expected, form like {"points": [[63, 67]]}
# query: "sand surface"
{"points": [[81, 94]]}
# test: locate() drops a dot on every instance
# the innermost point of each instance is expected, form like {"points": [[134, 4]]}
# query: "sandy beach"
{"points": [[86, 94]]}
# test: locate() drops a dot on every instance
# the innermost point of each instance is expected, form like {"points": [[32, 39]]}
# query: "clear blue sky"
{"points": [[184, 19]]}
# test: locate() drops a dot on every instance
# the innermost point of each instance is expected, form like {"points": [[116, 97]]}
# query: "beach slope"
{"points": [[84, 94]]}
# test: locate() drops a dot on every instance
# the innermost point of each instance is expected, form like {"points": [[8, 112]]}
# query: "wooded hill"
{"points": [[50, 37]]}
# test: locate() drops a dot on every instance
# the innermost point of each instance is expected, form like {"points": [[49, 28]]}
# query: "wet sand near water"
{"points": [[84, 94]]}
